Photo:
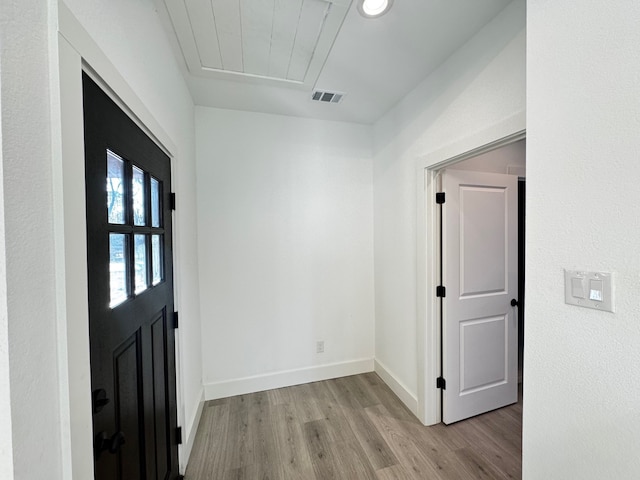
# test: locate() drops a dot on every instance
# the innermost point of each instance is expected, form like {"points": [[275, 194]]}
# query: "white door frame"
{"points": [[427, 265], [76, 52]]}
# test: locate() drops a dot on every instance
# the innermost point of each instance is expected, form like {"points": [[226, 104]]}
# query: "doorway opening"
{"points": [[428, 305]]}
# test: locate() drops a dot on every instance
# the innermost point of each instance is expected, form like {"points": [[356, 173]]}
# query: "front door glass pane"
{"points": [[137, 189], [117, 268], [140, 257], [155, 202], [156, 255], [115, 188]]}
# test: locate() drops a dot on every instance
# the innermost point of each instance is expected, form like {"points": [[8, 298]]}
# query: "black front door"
{"points": [[128, 184]]}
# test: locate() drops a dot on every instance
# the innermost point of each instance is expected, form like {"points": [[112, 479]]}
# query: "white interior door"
{"points": [[480, 273]]}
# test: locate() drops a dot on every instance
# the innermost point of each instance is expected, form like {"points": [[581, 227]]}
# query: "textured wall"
{"points": [[28, 230], [581, 407], [480, 85], [286, 250]]}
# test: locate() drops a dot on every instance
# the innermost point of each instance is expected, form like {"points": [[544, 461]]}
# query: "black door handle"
{"points": [[99, 400], [117, 440], [514, 302], [103, 442]]}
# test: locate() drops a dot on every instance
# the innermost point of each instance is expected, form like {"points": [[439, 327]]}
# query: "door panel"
{"points": [[482, 353], [130, 273], [480, 266], [160, 418], [482, 229], [128, 408]]}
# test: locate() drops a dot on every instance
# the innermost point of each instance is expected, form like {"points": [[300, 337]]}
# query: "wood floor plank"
{"points": [[477, 467], [239, 451], [305, 403], [502, 431], [210, 438], [350, 428], [349, 392], [342, 395], [397, 472], [438, 439], [294, 455], [387, 398], [374, 446], [321, 392], [485, 444], [364, 394], [368, 382], [266, 454], [319, 445], [337, 424], [402, 444], [234, 474], [218, 401], [437, 446], [280, 396], [352, 463]]}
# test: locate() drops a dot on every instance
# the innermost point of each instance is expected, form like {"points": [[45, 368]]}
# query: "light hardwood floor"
{"points": [[348, 428]]}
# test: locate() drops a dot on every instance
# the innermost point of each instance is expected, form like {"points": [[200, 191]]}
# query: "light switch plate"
{"points": [[589, 289]]}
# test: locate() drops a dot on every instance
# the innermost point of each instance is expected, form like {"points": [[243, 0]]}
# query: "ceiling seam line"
{"points": [[215, 23], [194, 34], [295, 37], [315, 44], [241, 35], [273, 21]]}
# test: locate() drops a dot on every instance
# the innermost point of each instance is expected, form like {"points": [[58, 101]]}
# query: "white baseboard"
{"points": [[187, 446], [403, 393], [259, 383]]}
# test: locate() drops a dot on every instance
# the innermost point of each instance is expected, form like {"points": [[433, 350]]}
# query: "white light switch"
{"points": [[577, 287], [589, 289], [595, 290]]}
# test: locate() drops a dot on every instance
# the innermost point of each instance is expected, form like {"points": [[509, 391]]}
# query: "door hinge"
{"points": [[440, 198], [441, 291], [179, 435], [172, 200], [175, 319], [441, 383]]}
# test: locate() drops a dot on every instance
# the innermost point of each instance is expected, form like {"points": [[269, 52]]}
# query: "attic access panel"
{"points": [[278, 42]]}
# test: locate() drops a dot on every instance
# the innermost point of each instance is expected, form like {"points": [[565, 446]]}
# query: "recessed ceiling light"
{"points": [[373, 8]]}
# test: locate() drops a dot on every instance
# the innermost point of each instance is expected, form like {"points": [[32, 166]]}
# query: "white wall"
{"points": [[581, 408], [286, 251], [480, 86], [29, 240]]}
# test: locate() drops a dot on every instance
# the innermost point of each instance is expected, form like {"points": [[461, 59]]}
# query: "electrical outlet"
{"points": [[320, 346]]}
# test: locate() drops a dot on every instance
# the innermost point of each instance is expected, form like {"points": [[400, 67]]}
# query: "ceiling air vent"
{"points": [[327, 97]]}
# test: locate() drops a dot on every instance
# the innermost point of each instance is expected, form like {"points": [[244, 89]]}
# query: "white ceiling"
{"points": [[267, 55], [269, 42]]}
